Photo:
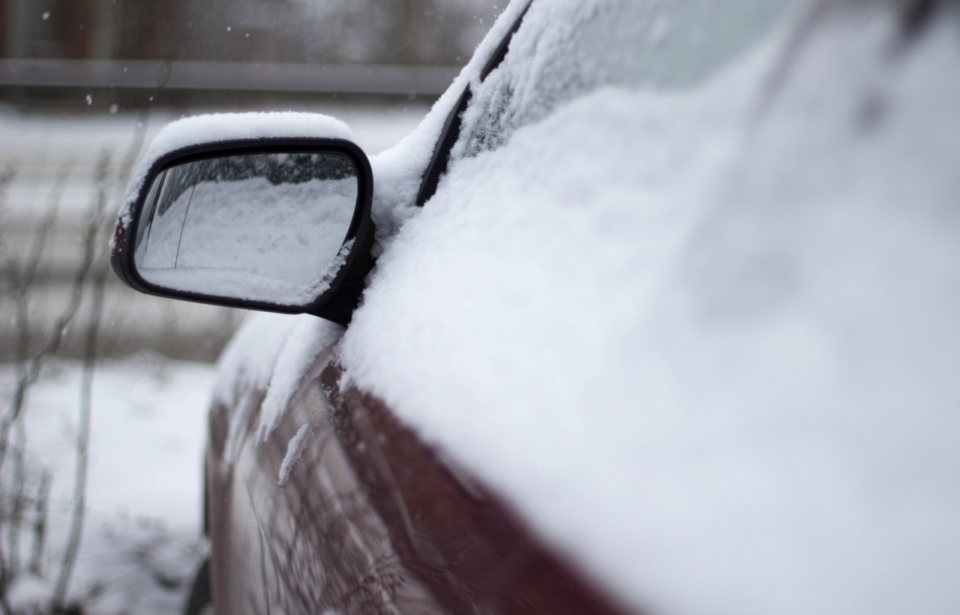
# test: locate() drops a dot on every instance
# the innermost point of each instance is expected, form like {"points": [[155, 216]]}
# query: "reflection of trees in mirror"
{"points": [[279, 168]]}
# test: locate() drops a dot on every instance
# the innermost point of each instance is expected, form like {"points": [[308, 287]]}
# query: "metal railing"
{"points": [[193, 75]]}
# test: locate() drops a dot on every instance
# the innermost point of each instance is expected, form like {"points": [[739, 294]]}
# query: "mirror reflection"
{"points": [[264, 227]]}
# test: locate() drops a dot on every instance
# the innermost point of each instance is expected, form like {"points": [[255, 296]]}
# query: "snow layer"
{"points": [[30, 594], [398, 171], [706, 343], [228, 126], [269, 353], [294, 450], [141, 541]]}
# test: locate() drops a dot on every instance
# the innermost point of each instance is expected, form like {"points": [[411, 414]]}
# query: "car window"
{"points": [[566, 49]]}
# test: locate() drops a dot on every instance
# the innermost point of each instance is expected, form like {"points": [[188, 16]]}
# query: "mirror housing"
{"points": [[342, 282]]}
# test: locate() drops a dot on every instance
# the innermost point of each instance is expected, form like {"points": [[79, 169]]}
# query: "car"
{"points": [[655, 312]]}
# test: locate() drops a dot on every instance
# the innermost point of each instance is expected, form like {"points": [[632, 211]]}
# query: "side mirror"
{"points": [[279, 225]]}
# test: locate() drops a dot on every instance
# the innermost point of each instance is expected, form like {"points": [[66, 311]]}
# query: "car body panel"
{"points": [[367, 519]]}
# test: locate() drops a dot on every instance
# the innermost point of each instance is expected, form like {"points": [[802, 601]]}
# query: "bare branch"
{"points": [[83, 437], [19, 498], [40, 523], [36, 364], [6, 178], [39, 244]]}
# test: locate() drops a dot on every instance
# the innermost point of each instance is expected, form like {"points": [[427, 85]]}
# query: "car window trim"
{"points": [[453, 124]]}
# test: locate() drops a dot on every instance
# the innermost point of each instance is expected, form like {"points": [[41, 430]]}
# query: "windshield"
{"points": [[562, 52]]}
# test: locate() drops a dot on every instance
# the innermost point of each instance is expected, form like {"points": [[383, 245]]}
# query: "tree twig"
{"points": [[35, 365], [83, 435], [23, 279], [40, 524]]}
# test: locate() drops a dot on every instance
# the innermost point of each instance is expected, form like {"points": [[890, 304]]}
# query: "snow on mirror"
{"points": [[261, 227]]}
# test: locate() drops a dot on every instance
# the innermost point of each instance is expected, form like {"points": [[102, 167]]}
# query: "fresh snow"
{"points": [[294, 450], [397, 172], [705, 343], [307, 338], [269, 353]]}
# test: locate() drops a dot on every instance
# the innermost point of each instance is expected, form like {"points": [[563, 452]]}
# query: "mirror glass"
{"points": [[263, 227]]}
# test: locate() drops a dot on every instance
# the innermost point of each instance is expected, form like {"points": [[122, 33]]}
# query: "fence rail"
{"points": [[277, 77]]}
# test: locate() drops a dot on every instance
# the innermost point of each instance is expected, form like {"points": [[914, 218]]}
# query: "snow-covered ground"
{"points": [[142, 536]]}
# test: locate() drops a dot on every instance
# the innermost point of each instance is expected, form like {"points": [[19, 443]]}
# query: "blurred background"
{"points": [[103, 390], [84, 85]]}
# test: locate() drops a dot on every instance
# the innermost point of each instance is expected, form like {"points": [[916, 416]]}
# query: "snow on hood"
{"points": [[707, 347], [216, 127]]}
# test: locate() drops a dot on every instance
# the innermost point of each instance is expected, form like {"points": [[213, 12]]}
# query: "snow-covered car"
{"points": [[657, 311]]}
